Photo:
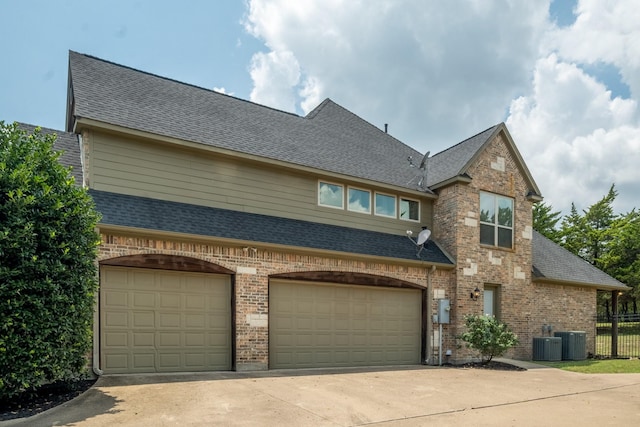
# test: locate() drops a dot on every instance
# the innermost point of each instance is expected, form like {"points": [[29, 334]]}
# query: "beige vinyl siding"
{"points": [[161, 171]]}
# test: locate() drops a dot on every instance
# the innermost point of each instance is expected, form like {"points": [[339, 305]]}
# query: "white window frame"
{"points": [[320, 182], [395, 205], [400, 208], [368, 211]]}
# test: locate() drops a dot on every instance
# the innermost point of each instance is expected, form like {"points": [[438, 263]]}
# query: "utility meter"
{"points": [[444, 308]]}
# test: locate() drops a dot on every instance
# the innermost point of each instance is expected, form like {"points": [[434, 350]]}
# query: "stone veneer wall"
{"points": [[457, 221], [253, 266]]}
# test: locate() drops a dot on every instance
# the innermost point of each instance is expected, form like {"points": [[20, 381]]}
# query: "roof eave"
{"points": [[135, 231], [459, 179], [598, 286]]}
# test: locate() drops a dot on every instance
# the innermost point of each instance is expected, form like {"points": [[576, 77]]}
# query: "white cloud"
{"points": [[273, 75], [441, 73], [435, 74]]}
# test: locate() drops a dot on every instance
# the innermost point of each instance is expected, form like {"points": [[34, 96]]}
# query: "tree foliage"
{"points": [[605, 239], [488, 336], [48, 246], [545, 221]]}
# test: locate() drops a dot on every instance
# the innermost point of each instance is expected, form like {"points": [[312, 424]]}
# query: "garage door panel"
{"points": [[143, 319], [116, 299], [117, 318], [164, 321], [171, 301], [143, 339], [350, 325]]}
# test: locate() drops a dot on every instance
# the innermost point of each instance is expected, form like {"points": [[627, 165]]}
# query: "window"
{"points": [[359, 200], [409, 210], [496, 220], [385, 205], [331, 195]]}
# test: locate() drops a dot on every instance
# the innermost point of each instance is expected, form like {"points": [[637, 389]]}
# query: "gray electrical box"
{"points": [[444, 308]]}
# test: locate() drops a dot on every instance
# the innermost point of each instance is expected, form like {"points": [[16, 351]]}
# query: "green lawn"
{"points": [[600, 366]]}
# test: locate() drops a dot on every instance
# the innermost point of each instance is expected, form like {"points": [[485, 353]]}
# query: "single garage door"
{"points": [[164, 321], [327, 325]]}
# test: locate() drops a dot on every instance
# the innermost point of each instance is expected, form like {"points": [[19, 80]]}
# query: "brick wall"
{"points": [[253, 266], [565, 308], [524, 306]]}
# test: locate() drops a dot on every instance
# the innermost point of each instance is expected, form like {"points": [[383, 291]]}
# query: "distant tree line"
{"points": [[603, 238]]}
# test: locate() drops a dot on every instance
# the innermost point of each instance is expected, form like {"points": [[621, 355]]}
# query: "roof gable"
{"points": [[454, 162], [552, 262]]}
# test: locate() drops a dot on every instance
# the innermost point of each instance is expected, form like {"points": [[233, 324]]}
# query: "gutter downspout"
{"points": [[96, 324], [429, 340]]}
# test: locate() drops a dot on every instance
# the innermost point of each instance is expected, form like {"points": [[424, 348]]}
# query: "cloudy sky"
{"points": [[564, 75]]}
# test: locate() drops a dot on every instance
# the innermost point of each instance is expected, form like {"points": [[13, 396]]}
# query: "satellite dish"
{"points": [[421, 240], [423, 236], [423, 164]]}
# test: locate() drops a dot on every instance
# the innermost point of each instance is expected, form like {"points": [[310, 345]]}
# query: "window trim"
{"points": [[320, 182], [395, 205], [349, 188], [409, 200], [496, 226]]}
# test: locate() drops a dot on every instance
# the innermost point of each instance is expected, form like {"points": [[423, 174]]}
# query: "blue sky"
{"points": [[203, 44], [560, 73]]}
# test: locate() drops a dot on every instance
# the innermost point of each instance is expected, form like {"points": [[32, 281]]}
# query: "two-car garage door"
{"points": [[328, 325], [164, 321], [171, 321]]}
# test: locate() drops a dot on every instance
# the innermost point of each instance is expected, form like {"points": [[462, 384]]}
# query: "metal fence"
{"points": [[628, 336]]}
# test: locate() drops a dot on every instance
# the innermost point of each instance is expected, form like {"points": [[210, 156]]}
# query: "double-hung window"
{"points": [[496, 220]]}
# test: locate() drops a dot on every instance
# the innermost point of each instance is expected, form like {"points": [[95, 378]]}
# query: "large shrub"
{"points": [[48, 247], [488, 336]]}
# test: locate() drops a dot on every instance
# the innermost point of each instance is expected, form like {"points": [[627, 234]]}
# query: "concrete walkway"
{"points": [[405, 396]]}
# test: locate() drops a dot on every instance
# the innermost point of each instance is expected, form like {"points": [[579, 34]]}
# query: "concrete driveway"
{"points": [[406, 396]]}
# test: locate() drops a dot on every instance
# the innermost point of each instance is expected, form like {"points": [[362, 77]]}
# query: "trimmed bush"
{"points": [[488, 336], [48, 273]]}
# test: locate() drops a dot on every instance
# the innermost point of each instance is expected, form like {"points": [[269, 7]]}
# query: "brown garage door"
{"points": [[327, 325], [164, 321]]}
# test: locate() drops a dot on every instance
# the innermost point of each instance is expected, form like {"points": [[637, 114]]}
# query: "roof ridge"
{"points": [[313, 113], [467, 139], [106, 61]]}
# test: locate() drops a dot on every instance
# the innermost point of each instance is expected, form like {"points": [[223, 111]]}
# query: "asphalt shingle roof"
{"points": [[451, 162], [154, 214], [552, 261], [67, 143], [330, 138]]}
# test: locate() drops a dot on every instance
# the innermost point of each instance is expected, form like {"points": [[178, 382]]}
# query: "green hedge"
{"points": [[48, 273]]}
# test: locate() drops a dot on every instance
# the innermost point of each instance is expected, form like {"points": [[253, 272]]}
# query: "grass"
{"points": [[598, 366]]}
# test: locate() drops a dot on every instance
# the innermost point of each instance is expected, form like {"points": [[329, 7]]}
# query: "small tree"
{"points": [[489, 336], [48, 246]]}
